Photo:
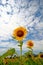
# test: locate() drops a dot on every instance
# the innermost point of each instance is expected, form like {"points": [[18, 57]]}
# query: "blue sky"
{"points": [[27, 13]]}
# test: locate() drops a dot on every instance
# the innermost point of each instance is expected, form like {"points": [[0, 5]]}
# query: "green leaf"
{"points": [[13, 37], [19, 45]]}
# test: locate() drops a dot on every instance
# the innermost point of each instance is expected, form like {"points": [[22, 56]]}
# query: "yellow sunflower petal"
{"points": [[19, 33], [30, 44]]}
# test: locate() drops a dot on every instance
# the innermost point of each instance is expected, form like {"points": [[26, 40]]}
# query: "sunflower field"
{"points": [[28, 58]]}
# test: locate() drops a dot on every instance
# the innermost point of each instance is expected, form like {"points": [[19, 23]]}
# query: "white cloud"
{"points": [[38, 45], [39, 25], [2, 44], [4, 1], [23, 18], [2, 51]]}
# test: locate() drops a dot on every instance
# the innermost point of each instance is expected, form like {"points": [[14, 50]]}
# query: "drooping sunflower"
{"points": [[40, 55], [30, 44], [19, 33]]}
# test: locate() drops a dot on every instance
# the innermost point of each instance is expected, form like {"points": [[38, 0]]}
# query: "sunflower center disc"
{"points": [[31, 44], [42, 56], [20, 33]]}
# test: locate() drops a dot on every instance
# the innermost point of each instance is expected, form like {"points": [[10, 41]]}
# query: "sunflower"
{"points": [[19, 33], [30, 44], [40, 55]]}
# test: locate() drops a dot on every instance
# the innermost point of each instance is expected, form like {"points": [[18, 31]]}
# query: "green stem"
{"points": [[20, 45], [21, 55], [21, 51], [31, 50]]}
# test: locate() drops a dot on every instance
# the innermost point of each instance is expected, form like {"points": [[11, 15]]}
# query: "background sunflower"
{"points": [[30, 44], [40, 55]]}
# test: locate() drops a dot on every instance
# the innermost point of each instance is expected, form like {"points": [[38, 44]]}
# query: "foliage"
{"points": [[27, 59], [9, 52]]}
